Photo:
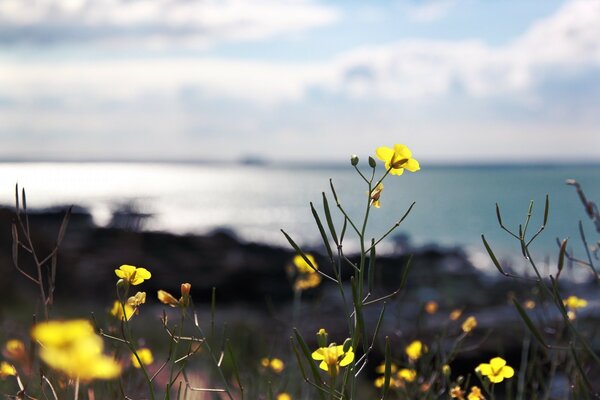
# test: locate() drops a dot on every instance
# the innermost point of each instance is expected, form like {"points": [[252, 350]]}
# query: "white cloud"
{"points": [[156, 23], [429, 10]]}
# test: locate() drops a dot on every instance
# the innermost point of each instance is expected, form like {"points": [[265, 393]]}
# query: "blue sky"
{"points": [[300, 80]]}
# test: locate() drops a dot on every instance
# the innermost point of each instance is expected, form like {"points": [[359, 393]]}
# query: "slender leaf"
{"points": [[492, 256], [329, 220], [530, 325], [322, 231]]}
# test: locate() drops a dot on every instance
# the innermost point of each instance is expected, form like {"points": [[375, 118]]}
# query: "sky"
{"points": [[458, 81]]}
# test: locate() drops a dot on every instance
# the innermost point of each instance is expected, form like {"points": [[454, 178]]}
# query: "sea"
{"points": [[454, 204]]}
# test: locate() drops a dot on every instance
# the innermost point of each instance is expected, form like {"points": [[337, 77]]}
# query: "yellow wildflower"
{"points": [[333, 357], [145, 356], [302, 266], [457, 393], [375, 195], [381, 368], [168, 299], [6, 370], [431, 307], [574, 302], [306, 276], [284, 396], [475, 394], [397, 159], [73, 348], [274, 364], [133, 275], [455, 314], [14, 350], [469, 324], [496, 371], [529, 304], [415, 350], [408, 375], [137, 300], [307, 281], [117, 311]]}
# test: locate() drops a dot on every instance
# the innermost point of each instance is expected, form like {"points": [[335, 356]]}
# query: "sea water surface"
{"points": [[454, 205]]}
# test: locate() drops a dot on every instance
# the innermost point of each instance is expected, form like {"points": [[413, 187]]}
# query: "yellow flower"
{"points": [[284, 396], [475, 394], [145, 356], [73, 348], [496, 371], [14, 350], [397, 159], [529, 304], [133, 275], [469, 324], [274, 364], [574, 302], [455, 314], [6, 370], [415, 350], [302, 266], [457, 393], [307, 281], [137, 300], [306, 277], [408, 375], [375, 195], [431, 307], [333, 357], [381, 368], [167, 298], [117, 311]]}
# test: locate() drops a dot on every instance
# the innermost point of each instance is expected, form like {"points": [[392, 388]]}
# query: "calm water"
{"points": [[454, 205]]}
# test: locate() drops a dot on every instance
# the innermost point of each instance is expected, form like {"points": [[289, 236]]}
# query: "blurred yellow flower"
{"points": [[307, 281], [475, 394], [274, 364], [375, 195], [397, 159], [415, 350], [306, 277], [145, 356], [167, 298], [574, 302], [457, 393], [284, 396], [455, 314], [529, 304], [133, 275], [333, 357], [117, 311], [6, 370], [469, 324], [431, 307], [496, 371], [14, 350], [408, 375], [302, 266], [381, 368], [73, 348], [137, 300]]}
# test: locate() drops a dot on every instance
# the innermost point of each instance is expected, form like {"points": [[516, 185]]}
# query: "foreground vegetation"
{"points": [[183, 355]]}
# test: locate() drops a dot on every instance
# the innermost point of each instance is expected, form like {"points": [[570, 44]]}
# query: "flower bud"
{"points": [[322, 337], [372, 162], [347, 345], [185, 289], [354, 159]]}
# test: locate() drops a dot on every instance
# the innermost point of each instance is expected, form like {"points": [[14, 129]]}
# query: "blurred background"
{"points": [[209, 114]]}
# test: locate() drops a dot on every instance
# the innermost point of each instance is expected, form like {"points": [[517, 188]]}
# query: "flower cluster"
{"points": [[398, 378]]}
